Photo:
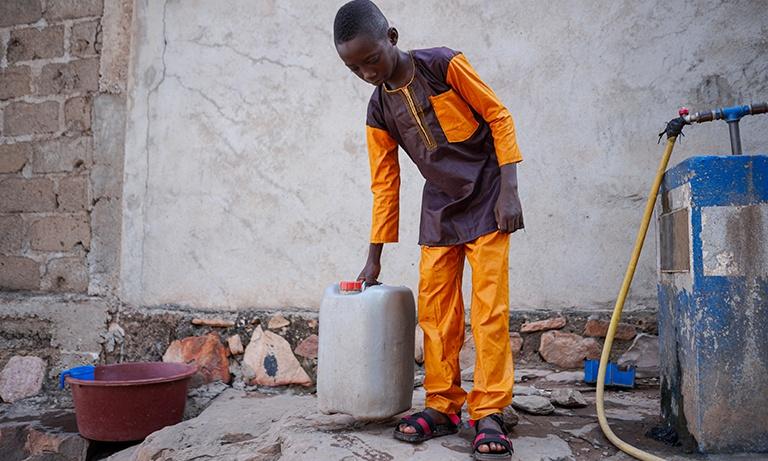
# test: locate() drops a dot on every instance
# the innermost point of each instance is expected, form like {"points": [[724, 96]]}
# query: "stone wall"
{"points": [[60, 168]]}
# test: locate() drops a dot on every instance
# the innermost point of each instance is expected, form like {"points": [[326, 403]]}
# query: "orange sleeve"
{"points": [[463, 78], [385, 185]]}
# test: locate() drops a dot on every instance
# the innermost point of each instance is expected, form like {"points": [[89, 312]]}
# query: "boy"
{"points": [[451, 124]]}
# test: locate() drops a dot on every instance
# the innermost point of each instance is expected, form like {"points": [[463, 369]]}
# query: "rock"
{"points": [[277, 322], [526, 390], [272, 362], [566, 377], [113, 337], [418, 380], [468, 374], [526, 374], [568, 350], [200, 397], [510, 417], [547, 448], [30, 433], [235, 345], [644, 355], [46, 444], [214, 323], [22, 377], [599, 328], [467, 354], [554, 323], [516, 342], [533, 404], [568, 398], [207, 352], [418, 353], [308, 347]]}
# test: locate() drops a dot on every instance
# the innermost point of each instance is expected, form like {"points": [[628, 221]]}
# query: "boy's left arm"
{"points": [[463, 78]]}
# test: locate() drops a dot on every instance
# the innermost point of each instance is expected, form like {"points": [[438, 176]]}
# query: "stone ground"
{"points": [[253, 424]]}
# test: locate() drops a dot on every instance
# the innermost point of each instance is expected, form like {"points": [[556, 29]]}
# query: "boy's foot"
{"points": [[491, 442], [426, 425]]}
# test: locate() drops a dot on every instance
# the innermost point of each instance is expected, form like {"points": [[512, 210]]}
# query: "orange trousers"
{"points": [[441, 316]]}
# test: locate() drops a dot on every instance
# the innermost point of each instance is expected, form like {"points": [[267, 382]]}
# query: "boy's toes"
{"points": [[406, 429], [491, 448]]}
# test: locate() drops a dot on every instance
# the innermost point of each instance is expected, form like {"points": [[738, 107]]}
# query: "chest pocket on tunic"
{"points": [[455, 116]]}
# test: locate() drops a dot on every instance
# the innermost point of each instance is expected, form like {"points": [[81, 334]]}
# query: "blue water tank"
{"points": [[713, 302]]}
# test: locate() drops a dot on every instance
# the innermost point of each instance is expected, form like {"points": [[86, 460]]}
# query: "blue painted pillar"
{"points": [[713, 302]]}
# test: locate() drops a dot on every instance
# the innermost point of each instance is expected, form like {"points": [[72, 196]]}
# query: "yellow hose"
{"points": [[620, 444]]}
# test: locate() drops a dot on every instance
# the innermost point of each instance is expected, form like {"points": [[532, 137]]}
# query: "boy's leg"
{"points": [[441, 316], [494, 369]]}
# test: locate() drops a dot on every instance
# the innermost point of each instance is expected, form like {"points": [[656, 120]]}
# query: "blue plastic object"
{"points": [[734, 113], [613, 375], [85, 372]]}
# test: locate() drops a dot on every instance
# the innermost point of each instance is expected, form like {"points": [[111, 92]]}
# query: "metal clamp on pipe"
{"points": [[732, 115]]}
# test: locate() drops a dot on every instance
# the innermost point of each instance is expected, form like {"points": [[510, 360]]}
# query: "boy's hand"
{"points": [[370, 274], [508, 210], [372, 269]]}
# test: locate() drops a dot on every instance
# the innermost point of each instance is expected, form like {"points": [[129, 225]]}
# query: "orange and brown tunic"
{"points": [[457, 132]]}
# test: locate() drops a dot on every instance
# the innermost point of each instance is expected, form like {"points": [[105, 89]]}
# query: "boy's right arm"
{"points": [[385, 186]]}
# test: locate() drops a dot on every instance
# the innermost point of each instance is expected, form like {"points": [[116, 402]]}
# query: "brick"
{"points": [[15, 12], [11, 234], [13, 157], [60, 233], [73, 194], [32, 43], [72, 9], [27, 195], [72, 77], [77, 114], [18, 273], [85, 39], [62, 155], [15, 82], [66, 275], [22, 118]]}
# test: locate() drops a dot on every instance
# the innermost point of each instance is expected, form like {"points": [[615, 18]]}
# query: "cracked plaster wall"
{"points": [[246, 177]]}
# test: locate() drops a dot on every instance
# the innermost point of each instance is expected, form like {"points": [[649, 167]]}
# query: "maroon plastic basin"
{"points": [[129, 401]]}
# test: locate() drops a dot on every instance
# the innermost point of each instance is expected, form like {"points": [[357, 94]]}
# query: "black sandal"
{"points": [[488, 436], [426, 428]]}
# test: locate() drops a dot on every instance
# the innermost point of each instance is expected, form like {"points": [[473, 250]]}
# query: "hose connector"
{"points": [[675, 126]]}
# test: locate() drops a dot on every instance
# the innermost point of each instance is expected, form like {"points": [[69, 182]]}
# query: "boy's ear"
{"points": [[392, 35]]}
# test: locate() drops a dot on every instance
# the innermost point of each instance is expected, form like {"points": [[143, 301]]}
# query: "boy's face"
{"points": [[373, 60]]}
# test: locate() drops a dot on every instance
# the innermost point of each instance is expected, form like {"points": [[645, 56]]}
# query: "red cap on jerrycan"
{"points": [[348, 287]]}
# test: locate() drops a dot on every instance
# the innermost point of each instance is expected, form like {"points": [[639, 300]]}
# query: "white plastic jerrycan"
{"points": [[365, 352]]}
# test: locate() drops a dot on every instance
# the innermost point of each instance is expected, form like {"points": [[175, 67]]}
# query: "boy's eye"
{"points": [[373, 60]]}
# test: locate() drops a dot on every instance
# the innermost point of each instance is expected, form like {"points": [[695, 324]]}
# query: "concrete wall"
{"points": [[246, 181]]}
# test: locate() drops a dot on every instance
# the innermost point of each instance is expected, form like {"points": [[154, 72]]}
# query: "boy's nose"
{"points": [[369, 76]]}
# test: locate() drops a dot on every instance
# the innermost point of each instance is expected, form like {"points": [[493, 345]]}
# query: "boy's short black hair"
{"points": [[359, 17]]}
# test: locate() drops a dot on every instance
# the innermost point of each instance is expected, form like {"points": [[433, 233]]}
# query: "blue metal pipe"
{"points": [[732, 115]]}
